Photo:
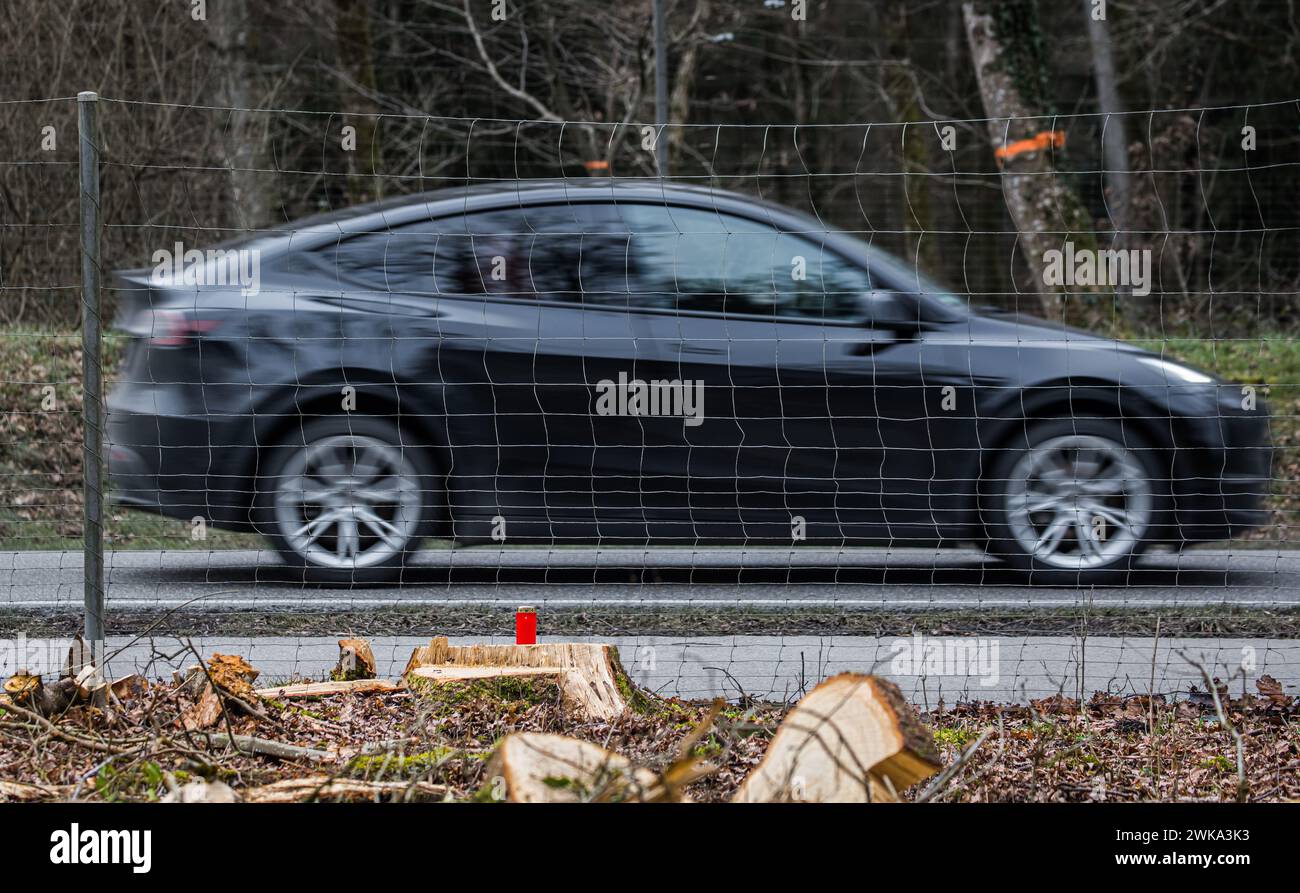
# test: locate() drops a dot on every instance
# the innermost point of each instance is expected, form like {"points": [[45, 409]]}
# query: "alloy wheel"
{"points": [[348, 501], [1078, 502]]}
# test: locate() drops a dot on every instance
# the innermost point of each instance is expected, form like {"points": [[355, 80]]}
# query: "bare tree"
{"points": [[244, 132], [1115, 144], [1045, 211]]}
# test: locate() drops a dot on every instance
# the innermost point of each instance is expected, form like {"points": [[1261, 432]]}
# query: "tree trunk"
{"points": [[590, 677], [1117, 182], [356, 661], [1114, 143], [904, 97], [1044, 210], [679, 101], [357, 59], [245, 133]]}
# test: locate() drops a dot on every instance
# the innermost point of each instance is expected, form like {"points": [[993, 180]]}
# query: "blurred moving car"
{"points": [[542, 362]]}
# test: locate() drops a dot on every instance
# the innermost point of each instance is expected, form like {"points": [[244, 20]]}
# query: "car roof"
{"points": [[497, 194]]}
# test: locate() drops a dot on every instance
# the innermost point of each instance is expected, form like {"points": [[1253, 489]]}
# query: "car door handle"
{"points": [[702, 350]]}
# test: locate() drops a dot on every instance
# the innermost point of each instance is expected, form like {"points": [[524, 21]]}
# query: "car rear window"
{"points": [[560, 252]]}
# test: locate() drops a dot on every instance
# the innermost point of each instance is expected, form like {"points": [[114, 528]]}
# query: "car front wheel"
{"points": [[346, 500], [1076, 503]]}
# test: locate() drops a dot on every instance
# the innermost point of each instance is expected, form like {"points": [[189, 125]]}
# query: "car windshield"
{"points": [[898, 270]]}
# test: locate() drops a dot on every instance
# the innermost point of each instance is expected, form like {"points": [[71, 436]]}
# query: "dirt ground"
{"points": [[434, 744]]}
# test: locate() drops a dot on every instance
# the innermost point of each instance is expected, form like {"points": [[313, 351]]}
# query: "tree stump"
{"points": [[852, 739]]}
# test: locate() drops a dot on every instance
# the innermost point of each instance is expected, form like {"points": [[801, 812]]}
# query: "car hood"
{"points": [[996, 328]]}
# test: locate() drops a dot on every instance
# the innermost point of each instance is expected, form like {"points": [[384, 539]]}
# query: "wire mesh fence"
{"points": [[811, 394]]}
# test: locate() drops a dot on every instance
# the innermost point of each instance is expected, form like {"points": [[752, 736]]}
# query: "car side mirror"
{"points": [[889, 310]]}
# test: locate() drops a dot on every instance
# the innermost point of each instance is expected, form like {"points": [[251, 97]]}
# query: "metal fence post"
{"points": [[92, 412], [661, 88]]}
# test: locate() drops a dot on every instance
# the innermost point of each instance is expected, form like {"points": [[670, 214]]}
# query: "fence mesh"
{"points": [[860, 396]]}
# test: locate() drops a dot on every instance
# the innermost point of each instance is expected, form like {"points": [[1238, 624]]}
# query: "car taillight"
{"points": [[171, 328]]}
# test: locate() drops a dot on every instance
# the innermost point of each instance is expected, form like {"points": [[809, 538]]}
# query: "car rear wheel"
{"points": [[1076, 503], [347, 500]]}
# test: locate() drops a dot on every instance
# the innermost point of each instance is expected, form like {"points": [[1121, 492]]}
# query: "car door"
{"points": [[505, 316], [813, 419], [522, 363]]}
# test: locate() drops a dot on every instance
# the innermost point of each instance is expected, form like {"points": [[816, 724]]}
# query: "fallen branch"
{"points": [[936, 787], [323, 787], [266, 747], [324, 689], [68, 736], [26, 793]]}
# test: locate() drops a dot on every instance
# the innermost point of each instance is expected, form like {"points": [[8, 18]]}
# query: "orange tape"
{"points": [[1053, 138]]}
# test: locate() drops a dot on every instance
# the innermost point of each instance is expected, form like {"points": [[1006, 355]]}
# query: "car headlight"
{"points": [[1175, 370]]}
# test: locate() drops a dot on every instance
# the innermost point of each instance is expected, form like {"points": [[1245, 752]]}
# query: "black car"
{"points": [[543, 362]]}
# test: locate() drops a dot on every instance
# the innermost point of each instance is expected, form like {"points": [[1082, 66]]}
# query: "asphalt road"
{"points": [[662, 577]]}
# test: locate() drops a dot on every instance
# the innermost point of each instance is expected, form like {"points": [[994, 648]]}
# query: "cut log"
{"points": [[324, 689], [452, 673], [538, 767], [22, 792], [22, 686], [324, 788], [229, 672], [27, 690], [356, 661], [132, 686], [851, 739], [203, 714], [86, 687], [588, 675], [91, 686], [202, 792], [191, 681]]}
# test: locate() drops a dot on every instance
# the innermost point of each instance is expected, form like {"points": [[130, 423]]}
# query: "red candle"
{"points": [[526, 626]]}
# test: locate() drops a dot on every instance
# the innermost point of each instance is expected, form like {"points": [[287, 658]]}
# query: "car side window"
{"points": [[461, 254], [380, 262], [697, 259], [610, 254], [577, 253], [368, 261], [563, 252], [481, 254]]}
